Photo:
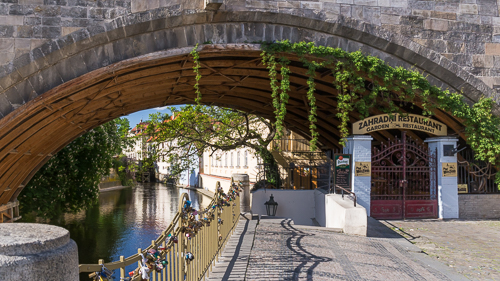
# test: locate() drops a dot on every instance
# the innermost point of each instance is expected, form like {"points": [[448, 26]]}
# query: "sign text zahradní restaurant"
{"points": [[399, 121]]}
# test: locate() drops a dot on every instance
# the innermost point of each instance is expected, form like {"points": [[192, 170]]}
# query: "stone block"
{"points": [[11, 20], [260, 4], [488, 9], [389, 19], [144, 5], [371, 14], [41, 249], [67, 30], [436, 24], [443, 15], [314, 5], [52, 21], [5, 106], [27, 2], [74, 12], [482, 61], [7, 45], [291, 4], [492, 49], [468, 9], [6, 31], [26, 91], [469, 18]]}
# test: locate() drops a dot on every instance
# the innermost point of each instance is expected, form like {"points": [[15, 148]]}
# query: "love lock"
{"points": [[189, 257]]}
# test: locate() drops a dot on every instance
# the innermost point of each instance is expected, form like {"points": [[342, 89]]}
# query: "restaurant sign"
{"points": [[399, 121], [342, 170]]}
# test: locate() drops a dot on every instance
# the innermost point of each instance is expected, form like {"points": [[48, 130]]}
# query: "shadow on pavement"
{"points": [[379, 230]]}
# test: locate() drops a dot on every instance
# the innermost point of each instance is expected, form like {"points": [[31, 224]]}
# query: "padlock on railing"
{"points": [[189, 257]]}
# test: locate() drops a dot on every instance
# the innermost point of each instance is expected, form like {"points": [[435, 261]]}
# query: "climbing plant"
{"points": [[196, 68], [363, 82]]}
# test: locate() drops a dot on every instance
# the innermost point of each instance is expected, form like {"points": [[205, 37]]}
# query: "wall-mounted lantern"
{"points": [[271, 206]]}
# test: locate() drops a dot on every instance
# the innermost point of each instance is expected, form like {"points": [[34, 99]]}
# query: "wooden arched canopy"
{"points": [[233, 76]]}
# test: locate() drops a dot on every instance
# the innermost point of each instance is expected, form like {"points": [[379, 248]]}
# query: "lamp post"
{"points": [[271, 206]]}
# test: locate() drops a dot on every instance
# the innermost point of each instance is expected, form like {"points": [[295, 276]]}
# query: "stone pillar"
{"points": [[30, 251], [447, 186], [245, 195], [360, 146]]}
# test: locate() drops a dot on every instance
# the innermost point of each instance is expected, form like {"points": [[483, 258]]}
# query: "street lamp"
{"points": [[271, 206]]}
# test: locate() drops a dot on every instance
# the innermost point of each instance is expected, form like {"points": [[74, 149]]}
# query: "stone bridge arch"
{"points": [[71, 84]]}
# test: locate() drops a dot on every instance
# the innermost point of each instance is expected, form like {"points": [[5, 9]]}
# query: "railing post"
{"points": [[122, 269]]}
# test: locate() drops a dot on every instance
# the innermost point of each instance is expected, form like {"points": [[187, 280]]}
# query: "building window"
{"points": [[246, 158], [232, 164], [225, 159], [238, 159]]}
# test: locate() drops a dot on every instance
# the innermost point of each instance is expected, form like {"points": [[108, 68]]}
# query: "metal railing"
{"points": [[348, 191], [201, 234]]}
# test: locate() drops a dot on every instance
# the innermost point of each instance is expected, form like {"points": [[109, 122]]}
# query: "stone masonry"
{"points": [[479, 206], [465, 31]]}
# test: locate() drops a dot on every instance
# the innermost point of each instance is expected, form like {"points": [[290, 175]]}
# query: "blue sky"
{"points": [[136, 117]]}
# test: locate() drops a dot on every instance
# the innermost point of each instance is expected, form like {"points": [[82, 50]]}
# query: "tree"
{"points": [[193, 129], [68, 182]]}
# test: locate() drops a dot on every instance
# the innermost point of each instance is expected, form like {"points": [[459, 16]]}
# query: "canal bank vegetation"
{"points": [[364, 83], [68, 182]]}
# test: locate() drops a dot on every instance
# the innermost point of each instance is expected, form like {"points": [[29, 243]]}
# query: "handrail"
{"points": [[350, 192], [205, 241]]}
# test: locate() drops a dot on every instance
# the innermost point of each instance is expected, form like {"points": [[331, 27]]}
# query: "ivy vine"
{"points": [[363, 82], [196, 69]]}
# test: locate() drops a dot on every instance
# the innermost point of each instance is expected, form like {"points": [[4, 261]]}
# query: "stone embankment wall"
{"points": [[479, 206], [466, 32]]}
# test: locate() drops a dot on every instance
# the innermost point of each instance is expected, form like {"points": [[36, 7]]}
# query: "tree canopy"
{"points": [[193, 129], [68, 182]]}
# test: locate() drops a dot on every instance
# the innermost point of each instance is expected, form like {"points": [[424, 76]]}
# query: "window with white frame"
{"points": [[225, 159], [232, 159], [246, 158], [238, 159]]}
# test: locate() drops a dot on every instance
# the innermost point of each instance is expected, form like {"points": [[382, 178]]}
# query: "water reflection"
{"points": [[124, 220]]}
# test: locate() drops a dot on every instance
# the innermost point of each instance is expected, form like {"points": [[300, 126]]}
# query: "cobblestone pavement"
{"points": [[469, 247], [283, 251]]}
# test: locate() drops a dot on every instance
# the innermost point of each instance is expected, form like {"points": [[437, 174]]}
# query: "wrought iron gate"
{"points": [[404, 180]]}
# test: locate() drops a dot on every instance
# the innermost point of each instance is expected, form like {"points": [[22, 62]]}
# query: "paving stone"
{"points": [[282, 251], [467, 247]]}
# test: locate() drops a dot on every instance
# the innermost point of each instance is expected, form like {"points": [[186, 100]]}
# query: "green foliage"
{"points": [[68, 182], [191, 130], [389, 87], [124, 169], [196, 69], [363, 82]]}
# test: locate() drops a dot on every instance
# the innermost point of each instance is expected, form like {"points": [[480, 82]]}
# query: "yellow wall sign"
{"points": [[463, 188], [449, 169], [363, 169], [398, 121]]}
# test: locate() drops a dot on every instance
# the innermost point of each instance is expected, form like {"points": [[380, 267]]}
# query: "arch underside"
{"points": [[78, 93], [231, 77]]}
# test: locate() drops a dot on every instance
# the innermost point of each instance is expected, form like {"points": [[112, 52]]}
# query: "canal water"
{"points": [[125, 220]]}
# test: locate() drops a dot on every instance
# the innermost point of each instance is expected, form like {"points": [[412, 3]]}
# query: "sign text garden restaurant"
{"points": [[404, 177]]}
